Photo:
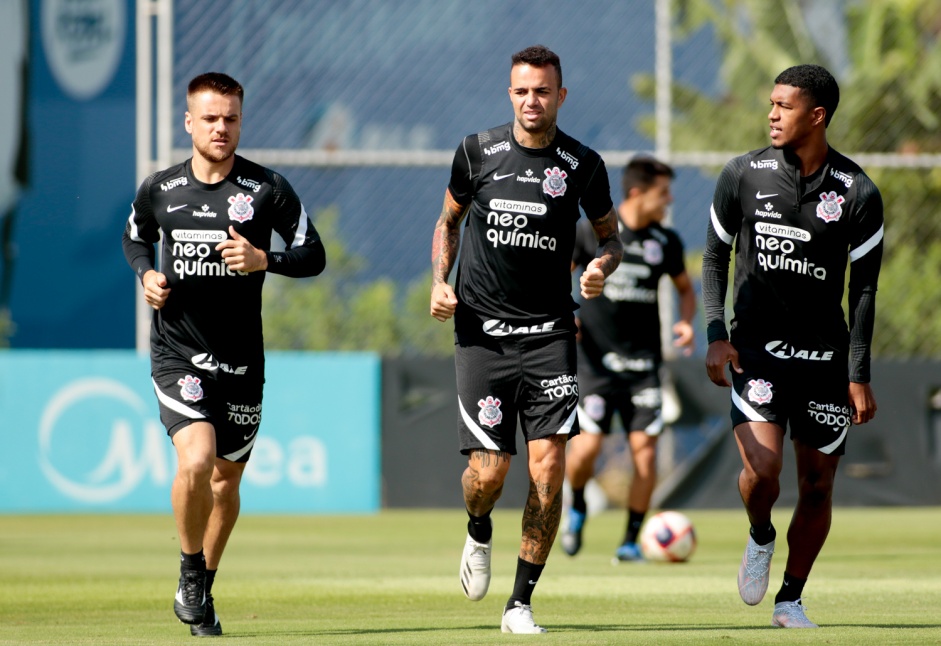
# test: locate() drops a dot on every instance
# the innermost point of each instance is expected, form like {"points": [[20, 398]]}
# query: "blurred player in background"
{"points": [[619, 351], [799, 210], [521, 185], [216, 212]]}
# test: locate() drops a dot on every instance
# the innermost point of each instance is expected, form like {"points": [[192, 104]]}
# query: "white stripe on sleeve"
{"points": [[132, 222], [866, 247], [301, 234], [724, 235]]}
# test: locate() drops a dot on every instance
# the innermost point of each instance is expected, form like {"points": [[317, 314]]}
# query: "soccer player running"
{"points": [[619, 353], [520, 186], [799, 209], [216, 212]]}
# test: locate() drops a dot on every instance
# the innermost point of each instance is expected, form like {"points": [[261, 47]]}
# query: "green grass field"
{"points": [[392, 579]]}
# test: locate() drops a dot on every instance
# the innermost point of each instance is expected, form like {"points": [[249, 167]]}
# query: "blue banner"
{"points": [[67, 172], [81, 433]]}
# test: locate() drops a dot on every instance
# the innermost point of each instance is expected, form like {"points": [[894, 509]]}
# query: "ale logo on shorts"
{"points": [[191, 390], [829, 209], [760, 391], [490, 414], [241, 209], [554, 184]]}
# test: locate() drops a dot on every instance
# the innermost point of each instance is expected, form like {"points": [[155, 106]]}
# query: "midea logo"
{"points": [[124, 463]]}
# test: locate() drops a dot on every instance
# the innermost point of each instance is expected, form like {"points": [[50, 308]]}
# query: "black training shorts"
{"points": [[230, 402], [637, 398], [530, 375], [811, 395]]}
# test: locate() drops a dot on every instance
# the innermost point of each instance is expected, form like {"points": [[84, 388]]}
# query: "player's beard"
{"points": [[215, 155]]}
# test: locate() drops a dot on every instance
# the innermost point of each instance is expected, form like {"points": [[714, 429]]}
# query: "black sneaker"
{"points": [[210, 626], [190, 602]]}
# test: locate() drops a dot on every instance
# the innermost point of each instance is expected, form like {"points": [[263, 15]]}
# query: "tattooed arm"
{"points": [[606, 229], [444, 246]]}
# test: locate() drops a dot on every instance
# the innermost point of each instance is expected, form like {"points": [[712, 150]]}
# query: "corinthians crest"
{"points": [[829, 209], [653, 252], [490, 413], [241, 209], [554, 184], [191, 390], [760, 391]]}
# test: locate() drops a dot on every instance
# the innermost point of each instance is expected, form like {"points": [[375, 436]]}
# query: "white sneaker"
{"points": [[475, 568], [753, 572], [519, 620], [790, 614]]}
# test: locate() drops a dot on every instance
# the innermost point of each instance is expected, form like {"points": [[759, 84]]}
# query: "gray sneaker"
{"points": [[519, 620], [753, 572], [475, 568], [790, 614]]}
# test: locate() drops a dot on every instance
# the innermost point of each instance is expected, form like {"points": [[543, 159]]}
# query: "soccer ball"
{"points": [[668, 537]]}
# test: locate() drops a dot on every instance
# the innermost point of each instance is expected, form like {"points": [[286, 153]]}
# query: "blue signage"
{"points": [[83, 434], [66, 189]]}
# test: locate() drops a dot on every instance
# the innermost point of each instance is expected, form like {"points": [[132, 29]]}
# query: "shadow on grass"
{"points": [[556, 628]]}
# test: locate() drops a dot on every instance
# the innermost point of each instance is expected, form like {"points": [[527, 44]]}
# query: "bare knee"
{"points": [[483, 478], [547, 459], [762, 470], [196, 470], [225, 486], [816, 489], [585, 447]]}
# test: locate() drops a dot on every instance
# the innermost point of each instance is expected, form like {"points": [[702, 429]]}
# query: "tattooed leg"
{"points": [[543, 509], [483, 479]]}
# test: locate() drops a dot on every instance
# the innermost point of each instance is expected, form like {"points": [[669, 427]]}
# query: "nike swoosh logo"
{"points": [[759, 196], [171, 209], [249, 436], [531, 582], [497, 178]]}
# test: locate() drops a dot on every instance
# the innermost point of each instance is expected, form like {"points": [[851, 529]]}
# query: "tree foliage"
{"points": [[339, 311]]}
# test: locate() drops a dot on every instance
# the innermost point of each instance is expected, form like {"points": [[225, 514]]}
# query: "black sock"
{"points": [[210, 577], [527, 576], [578, 500], [192, 561], [479, 527], [791, 589], [763, 536], [634, 520]]}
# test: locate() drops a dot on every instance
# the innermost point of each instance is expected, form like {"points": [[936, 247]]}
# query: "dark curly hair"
{"points": [[816, 83], [538, 56]]}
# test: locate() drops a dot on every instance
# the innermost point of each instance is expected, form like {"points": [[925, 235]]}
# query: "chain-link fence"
{"points": [[362, 103]]}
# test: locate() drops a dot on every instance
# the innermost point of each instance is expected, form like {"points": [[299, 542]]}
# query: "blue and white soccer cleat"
{"points": [[629, 552], [572, 535]]}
